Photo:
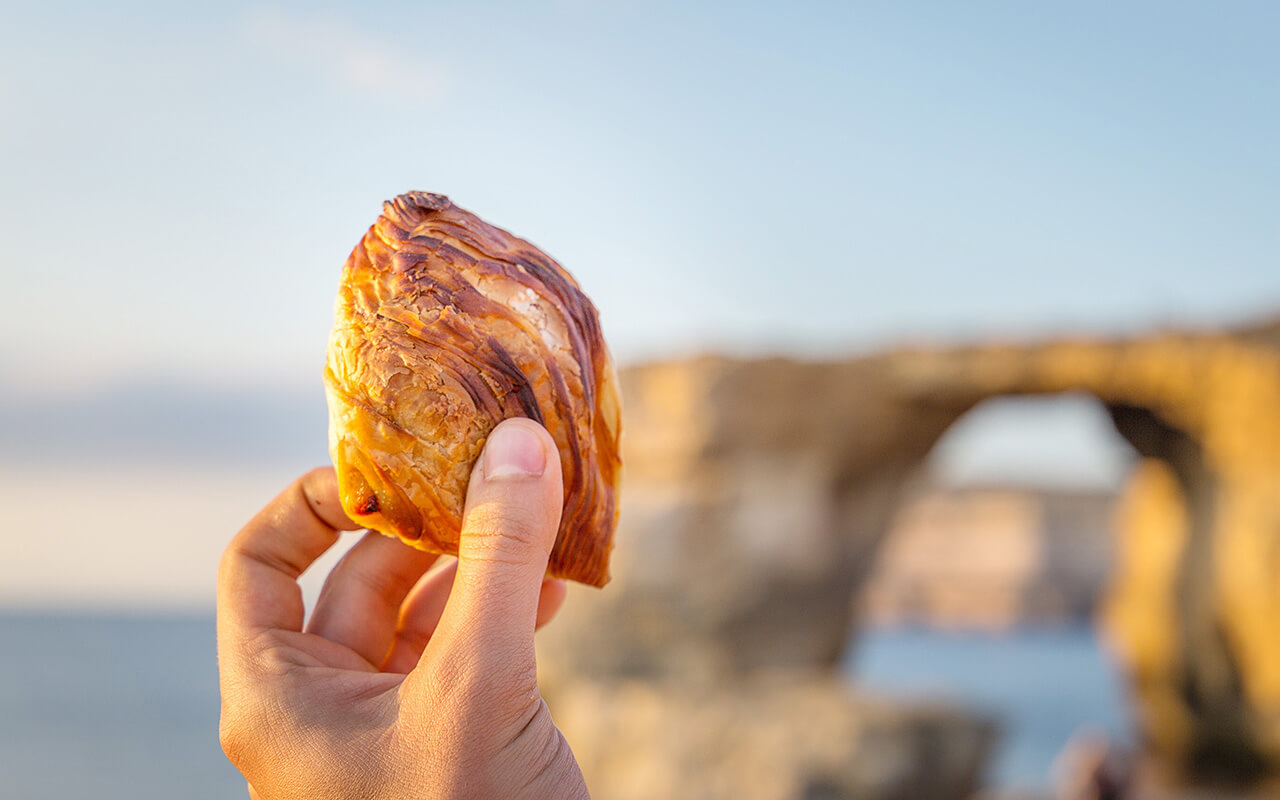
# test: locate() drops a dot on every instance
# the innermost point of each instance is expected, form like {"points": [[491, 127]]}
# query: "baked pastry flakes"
{"points": [[444, 326]]}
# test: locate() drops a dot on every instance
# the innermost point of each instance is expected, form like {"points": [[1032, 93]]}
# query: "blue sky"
{"points": [[182, 182]]}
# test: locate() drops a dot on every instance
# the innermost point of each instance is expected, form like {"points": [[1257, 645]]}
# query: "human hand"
{"points": [[398, 687]]}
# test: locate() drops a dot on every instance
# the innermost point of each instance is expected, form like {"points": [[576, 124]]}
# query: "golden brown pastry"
{"points": [[444, 326]]}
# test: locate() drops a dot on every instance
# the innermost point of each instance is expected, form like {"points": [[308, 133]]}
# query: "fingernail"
{"points": [[513, 451]]}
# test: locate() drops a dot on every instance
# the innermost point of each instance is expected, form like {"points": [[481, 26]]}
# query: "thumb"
{"points": [[512, 514]]}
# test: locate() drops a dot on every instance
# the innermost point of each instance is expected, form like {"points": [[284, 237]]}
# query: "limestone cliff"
{"points": [[757, 491]]}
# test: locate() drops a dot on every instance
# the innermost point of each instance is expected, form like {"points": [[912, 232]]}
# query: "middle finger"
{"points": [[360, 602]]}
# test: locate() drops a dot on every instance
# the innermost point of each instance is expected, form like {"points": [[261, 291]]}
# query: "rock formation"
{"points": [[781, 736], [991, 558], [756, 493]]}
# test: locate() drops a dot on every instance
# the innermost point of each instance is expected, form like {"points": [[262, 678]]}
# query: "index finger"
{"points": [[258, 576]]}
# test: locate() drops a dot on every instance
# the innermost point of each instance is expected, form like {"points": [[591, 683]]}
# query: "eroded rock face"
{"points": [[748, 519], [786, 736], [1207, 408], [756, 493]]}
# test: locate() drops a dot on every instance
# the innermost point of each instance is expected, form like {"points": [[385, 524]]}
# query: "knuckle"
{"points": [[383, 586], [411, 641], [229, 561], [259, 659], [232, 738], [492, 530], [314, 475]]}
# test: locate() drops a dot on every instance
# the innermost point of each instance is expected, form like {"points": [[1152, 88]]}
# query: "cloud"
{"points": [[352, 59]]}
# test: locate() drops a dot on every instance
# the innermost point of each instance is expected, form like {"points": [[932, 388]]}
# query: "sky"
{"points": [[180, 184]]}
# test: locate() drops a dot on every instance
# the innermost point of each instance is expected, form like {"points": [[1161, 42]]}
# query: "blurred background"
{"points": [[950, 380]]}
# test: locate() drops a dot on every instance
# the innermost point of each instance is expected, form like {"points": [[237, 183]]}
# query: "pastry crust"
{"points": [[444, 326]]}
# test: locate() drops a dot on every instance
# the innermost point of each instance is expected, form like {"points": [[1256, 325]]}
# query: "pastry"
{"points": [[444, 326]]}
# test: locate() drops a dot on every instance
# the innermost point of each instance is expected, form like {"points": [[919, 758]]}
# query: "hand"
{"points": [[399, 687]]}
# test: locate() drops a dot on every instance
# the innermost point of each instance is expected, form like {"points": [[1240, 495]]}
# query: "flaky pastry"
{"points": [[444, 326]]}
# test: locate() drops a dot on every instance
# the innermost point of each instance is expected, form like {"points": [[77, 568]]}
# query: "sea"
{"points": [[1042, 686], [125, 706]]}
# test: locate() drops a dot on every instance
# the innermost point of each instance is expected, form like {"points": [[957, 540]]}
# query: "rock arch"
{"points": [[756, 492]]}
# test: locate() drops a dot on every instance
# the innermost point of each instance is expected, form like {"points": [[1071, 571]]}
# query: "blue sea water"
{"points": [[1041, 685], [110, 707], [126, 707]]}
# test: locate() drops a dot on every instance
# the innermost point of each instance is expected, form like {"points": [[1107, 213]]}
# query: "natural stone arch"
{"points": [[756, 493], [1206, 408]]}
